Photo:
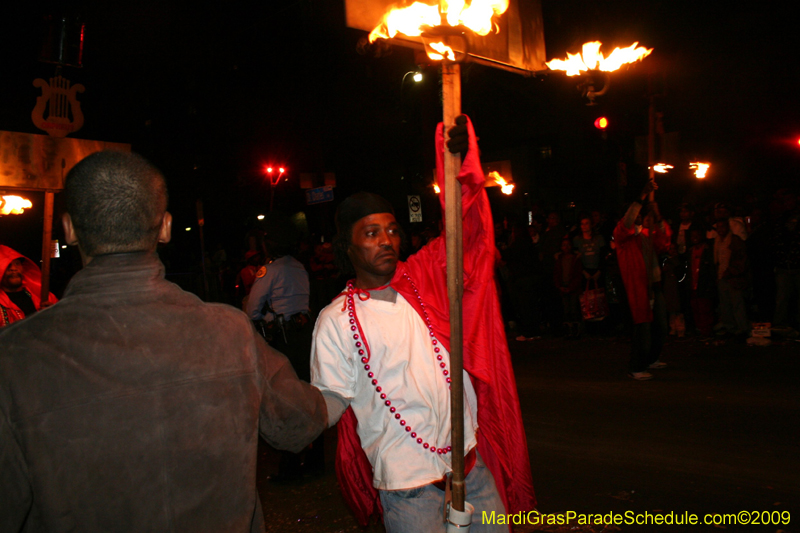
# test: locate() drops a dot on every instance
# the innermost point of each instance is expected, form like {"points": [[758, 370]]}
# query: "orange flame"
{"points": [[441, 51], [700, 169], [662, 168], [505, 187], [14, 205], [413, 19], [592, 59]]}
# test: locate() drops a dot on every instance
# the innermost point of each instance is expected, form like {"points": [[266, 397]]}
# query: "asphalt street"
{"points": [[715, 433]]}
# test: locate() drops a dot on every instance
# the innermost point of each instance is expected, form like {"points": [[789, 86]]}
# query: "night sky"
{"points": [[210, 92]]}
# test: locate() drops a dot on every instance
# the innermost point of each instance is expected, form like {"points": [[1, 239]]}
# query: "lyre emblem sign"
{"points": [[61, 98]]}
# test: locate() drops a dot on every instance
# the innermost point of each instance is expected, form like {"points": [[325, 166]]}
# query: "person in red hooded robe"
{"points": [[639, 239], [20, 287], [381, 359]]}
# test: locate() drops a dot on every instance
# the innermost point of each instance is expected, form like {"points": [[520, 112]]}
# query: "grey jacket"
{"points": [[133, 406]]}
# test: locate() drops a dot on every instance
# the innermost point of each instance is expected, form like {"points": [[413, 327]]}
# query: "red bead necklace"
{"points": [[363, 350]]}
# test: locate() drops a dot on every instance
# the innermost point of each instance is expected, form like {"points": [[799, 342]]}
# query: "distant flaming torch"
{"points": [[592, 58], [592, 61], [494, 179], [662, 168], [417, 19], [700, 169], [14, 205]]}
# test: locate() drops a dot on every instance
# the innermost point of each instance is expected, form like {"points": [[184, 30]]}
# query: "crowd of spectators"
{"points": [[727, 267]]}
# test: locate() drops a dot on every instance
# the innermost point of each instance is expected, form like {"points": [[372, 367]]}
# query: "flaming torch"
{"points": [[14, 205], [662, 168], [591, 59], [700, 169], [443, 28], [439, 24], [494, 179]]}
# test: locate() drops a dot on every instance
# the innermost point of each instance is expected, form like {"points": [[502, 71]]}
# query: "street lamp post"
{"points": [[274, 176], [416, 75]]}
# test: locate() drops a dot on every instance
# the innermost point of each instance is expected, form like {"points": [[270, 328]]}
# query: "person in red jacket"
{"points": [[20, 287], [639, 240]]}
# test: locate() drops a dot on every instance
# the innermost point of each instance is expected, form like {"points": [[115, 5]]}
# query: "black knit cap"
{"points": [[357, 206]]}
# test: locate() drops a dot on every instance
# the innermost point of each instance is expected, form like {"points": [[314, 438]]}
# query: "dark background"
{"points": [[211, 92]]}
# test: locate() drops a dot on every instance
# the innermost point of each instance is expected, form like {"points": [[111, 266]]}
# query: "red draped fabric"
{"points": [[630, 259]]}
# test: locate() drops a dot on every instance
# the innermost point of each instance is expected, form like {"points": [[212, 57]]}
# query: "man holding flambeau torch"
{"points": [[381, 358], [639, 239]]}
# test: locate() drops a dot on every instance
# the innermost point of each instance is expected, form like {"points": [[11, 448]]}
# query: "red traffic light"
{"points": [[601, 123]]}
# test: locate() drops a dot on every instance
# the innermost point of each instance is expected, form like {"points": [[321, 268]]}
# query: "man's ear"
{"points": [[165, 233], [72, 238], [69, 230]]}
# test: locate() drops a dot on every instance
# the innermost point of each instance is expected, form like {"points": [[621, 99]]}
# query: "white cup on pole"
{"points": [[459, 521]]}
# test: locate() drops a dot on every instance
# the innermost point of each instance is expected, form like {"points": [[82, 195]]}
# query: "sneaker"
{"points": [[641, 376], [658, 364]]}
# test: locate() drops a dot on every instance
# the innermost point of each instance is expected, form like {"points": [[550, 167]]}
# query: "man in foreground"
{"points": [[20, 287], [381, 357], [132, 405]]}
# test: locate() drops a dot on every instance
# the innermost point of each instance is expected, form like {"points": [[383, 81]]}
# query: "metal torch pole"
{"points": [[451, 97], [47, 236], [651, 136], [271, 194]]}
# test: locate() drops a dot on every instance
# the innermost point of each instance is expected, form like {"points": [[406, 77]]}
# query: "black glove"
{"points": [[458, 137], [649, 187]]}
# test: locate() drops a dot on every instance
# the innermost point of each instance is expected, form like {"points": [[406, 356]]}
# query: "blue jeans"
{"points": [[648, 337], [419, 510], [732, 310]]}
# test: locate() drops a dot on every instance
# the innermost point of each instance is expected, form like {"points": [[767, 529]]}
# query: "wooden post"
{"points": [[271, 194], [201, 221], [651, 136], [47, 237], [451, 102]]}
